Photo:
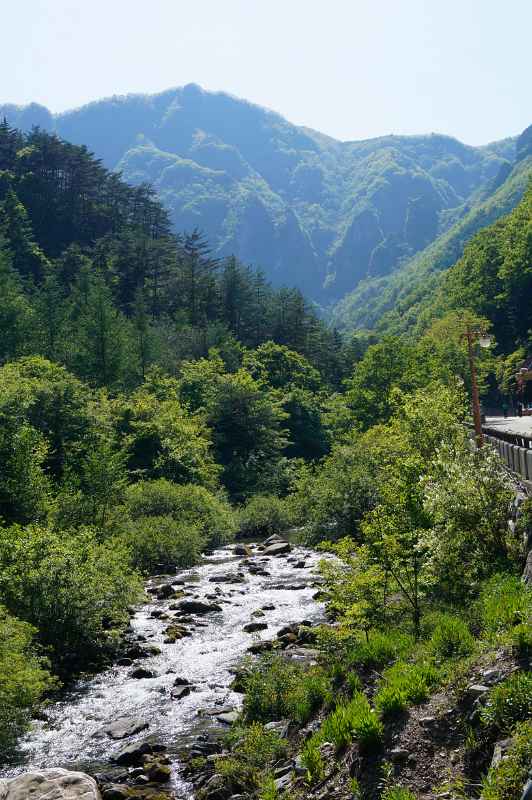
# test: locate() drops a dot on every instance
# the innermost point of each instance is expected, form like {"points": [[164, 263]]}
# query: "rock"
{"points": [[215, 788], [115, 792], [228, 717], [527, 791], [197, 607], [159, 773], [175, 632], [261, 647], [273, 539], [258, 613], [229, 577], [527, 571], [283, 783], [398, 754], [477, 690], [269, 607], [180, 681], [278, 549], [50, 784], [180, 692], [132, 755], [124, 662], [242, 550], [252, 627], [499, 751], [164, 592], [141, 672], [300, 564], [126, 726], [279, 726]]}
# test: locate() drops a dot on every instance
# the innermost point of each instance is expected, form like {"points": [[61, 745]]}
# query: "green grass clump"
{"points": [[411, 682], [504, 602], [508, 703], [253, 750], [353, 720], [451, 638], [312, 759], [276, 689], [506, 780], [381, 648], [390, 701], [397, 793]]}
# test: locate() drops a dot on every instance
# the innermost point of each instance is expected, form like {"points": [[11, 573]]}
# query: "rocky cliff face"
{"points": [[309, 210]]}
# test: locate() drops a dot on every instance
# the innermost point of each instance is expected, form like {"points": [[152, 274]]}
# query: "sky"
{"points": [[352, 69]]}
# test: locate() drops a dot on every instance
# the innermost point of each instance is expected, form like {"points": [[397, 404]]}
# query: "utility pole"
{"points": [[475, 400]]}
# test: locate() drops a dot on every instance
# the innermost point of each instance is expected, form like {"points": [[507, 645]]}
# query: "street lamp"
{"points": [[472, 335]]}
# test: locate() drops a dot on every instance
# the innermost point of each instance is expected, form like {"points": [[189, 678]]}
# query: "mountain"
{"points": [[394, 303], [311, 211]]}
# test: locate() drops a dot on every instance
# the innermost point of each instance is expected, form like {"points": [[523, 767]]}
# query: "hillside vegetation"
{"points": [[312, 212]]}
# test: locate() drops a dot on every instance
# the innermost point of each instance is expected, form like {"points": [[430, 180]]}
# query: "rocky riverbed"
{"points": [[169, 694]]}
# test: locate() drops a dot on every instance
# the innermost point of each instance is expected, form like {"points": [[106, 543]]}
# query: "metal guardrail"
{"points": [[519, 439], [516, 454]]}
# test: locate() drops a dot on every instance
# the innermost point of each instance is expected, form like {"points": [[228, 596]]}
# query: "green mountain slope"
{"points": [[392, 303], [311, 211]]}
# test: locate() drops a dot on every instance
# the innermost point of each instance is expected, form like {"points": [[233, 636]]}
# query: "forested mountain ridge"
{"points": [[391, 303], [311, 211]]}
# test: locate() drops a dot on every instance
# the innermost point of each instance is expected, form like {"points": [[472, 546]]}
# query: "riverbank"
{"points": [[173, 680]]}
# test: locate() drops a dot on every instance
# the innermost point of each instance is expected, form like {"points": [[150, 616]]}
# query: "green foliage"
{"points": [[23, 678], [353, 720], [506, 780], [280, 368], [508, 702], [504, 602], [312, 759], [263, 515], [253, 749], [188, 505], [451, 638], [159, 544], [73, 589], [398, 793], [405, 684], [276, 689]]}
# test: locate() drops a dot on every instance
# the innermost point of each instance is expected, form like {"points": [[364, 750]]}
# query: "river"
{"points": [[73, 734]]}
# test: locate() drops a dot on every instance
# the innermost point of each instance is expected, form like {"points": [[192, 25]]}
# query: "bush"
{"points": [[412, 682], [312, 759], [188, 504], [390, 701], [162, 543], [397, 793], [276, 689], [504, 602], [381, 648], [253, 749], [451, 638], [73, 589], [23, 679], [506, 780], [263, 515], [508, 703], [353, 720]]}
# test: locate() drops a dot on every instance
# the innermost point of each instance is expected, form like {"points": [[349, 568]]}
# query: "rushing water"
{"points": [[73, 735]]}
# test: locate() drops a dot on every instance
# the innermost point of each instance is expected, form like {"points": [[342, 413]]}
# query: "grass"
{"points": [[253, 750], [404, 684], [506, 780], [451, 638], [276, 689], [508, 703]]}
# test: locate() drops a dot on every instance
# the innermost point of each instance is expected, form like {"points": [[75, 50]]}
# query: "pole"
{"points": [[474, 388]]}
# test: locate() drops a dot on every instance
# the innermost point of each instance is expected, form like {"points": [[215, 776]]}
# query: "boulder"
{"points": [[179, 692], [278, 549], [197, 607], [228, 718], [132, 755], [227, 577], [50, 784], [242, 550], [261, 647], [279, 726], [140, 672], [527, 572], [251, 627], [126, 726]]}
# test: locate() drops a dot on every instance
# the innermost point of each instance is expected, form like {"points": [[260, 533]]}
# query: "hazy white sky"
{"points": [[349, 68]]}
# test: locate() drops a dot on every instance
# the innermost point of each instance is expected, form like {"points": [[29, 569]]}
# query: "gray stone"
{"points": [[179, 692], [527, 791], [50, 784], [398, 754], [133, 754], [280, 727], [126, 726], [197, 607], [252, 627], [499, 751], [141, 672], [278, 549], [477, 690], [228, 718]]}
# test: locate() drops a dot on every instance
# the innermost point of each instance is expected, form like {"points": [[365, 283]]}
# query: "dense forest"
{"points": [[157, 400]]}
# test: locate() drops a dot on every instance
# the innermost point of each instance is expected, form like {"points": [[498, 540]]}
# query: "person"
{"points": [[505, 407], [519, 408]]}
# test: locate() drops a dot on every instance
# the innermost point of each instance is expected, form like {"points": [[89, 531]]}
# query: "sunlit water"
{"points": [[73, 736]]}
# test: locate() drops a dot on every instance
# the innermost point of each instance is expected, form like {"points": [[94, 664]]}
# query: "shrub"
{"points": [[162, 543], [390, 701], [253, 749], [506, 780], [23, 679], [73, 589], [312, 759], [381, 648], [451, 638], [276, 689], [504, 602], [397, 793], [411, 681], [187, 504], [353, 720], [508, 703], [263, 515]]}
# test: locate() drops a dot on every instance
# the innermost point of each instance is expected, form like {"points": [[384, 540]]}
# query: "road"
{"points": [[521, 426]]}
